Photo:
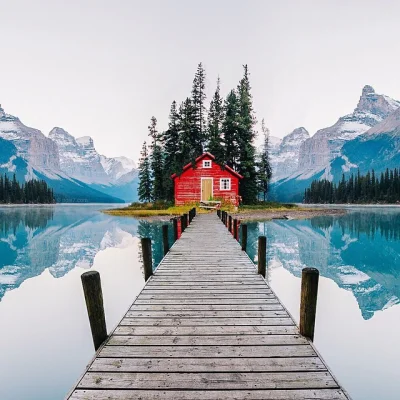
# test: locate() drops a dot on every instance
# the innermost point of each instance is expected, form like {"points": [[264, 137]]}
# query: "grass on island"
{"points": [[160, 209]]}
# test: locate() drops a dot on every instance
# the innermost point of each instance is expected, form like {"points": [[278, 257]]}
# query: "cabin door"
{"points": [[206, 189]]}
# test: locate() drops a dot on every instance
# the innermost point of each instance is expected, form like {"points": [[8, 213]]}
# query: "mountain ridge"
{"points": [[330, 151], [30, 154]]}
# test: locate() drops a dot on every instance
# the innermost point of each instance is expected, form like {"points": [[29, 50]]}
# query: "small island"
{"points": [[209, 162]]}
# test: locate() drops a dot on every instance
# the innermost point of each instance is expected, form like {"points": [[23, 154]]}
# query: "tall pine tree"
{"points": [[145, 190], [230, 128], [187, 136], [215, 121], [157, 161], [199, 110], [264, 166], [171, 151], [247, 153]]}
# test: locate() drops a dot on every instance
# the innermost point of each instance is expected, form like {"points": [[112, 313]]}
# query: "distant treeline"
{"points": [[368, 188], [33, 191]]}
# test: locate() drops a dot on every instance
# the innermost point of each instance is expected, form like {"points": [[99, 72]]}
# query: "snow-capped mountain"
{"points": [[322, 155], [378, 149], [35, 148], [118, 167], [326, 144], [79, 159], [284, 153], [28, 153]]}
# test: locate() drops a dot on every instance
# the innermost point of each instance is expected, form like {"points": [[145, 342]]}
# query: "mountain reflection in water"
{"points": [[360, 251]]}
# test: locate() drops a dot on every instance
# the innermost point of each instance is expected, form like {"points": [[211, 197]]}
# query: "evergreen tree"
{"points": [[215, 121], [230, 128], [247, 153], [264, 166], [366, 188], [145, 189], [33, 191], [157, 161], [172, 149], [199, 110], [189, 150]]}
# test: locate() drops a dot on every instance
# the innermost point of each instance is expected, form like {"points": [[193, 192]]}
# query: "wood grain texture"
{"points": [[305, 394], [241, 364], [206, 326]]}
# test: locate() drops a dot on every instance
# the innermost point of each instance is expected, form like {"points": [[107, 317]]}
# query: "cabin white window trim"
{"points": [[207, 163], [225, 184]]}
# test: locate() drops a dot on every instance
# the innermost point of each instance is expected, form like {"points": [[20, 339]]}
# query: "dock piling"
{"points": [[147, 258], [230, 224], [244, 237], [165, 239], [235, 228], [94, 303], [262, 255], [182, 223], [175, 222], [308, 304]]}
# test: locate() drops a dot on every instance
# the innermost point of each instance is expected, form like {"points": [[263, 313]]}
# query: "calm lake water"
{"points": [[45, 340]]}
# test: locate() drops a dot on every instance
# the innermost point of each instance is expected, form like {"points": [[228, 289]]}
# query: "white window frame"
{"points": [[205, 164], [221, 185]]}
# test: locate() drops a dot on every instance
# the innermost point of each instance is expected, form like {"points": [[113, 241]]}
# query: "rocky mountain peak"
{"points": [[296, 137], [61, 136], [367, 89], [2, 113], [86, 142], [285, 155], [377, 104]]}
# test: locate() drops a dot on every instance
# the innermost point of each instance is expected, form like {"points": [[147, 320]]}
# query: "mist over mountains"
{"points": [[71, 166]]}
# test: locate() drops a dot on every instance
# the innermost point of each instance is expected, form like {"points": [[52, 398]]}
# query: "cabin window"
{"points": [[225, 184], [206, 163]]}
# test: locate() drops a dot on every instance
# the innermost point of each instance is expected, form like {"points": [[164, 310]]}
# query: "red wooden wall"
{"points": [[188, 184]]}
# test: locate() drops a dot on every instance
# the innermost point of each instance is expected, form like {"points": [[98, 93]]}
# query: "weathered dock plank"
{"points": [[206, 326]]}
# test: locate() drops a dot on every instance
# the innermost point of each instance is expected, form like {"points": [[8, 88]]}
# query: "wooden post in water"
{"points": [[244, 236], [147, 258], [175, 222], [262, 255], [94, 303], [308, 303], [165, 239], [182, 223], [230, 224], [235, 228]]}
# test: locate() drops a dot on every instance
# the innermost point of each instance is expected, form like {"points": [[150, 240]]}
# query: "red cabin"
{"points": [[206, 181]]}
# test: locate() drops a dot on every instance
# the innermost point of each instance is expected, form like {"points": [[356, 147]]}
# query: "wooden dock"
{"points": [[207, 326]]}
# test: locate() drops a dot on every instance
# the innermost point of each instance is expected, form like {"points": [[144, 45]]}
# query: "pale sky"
{"points": [[103, 68]]}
